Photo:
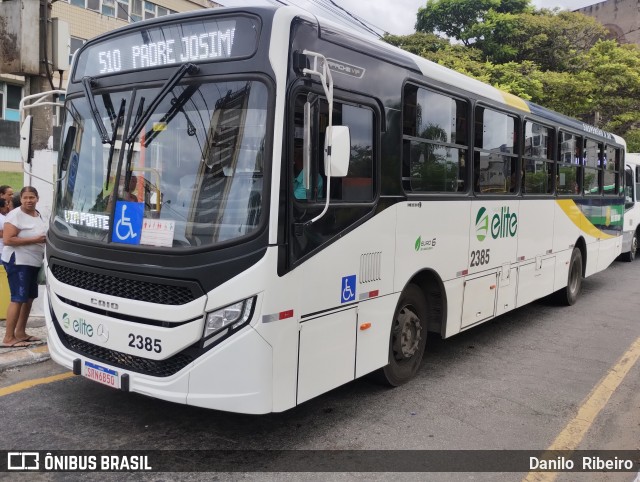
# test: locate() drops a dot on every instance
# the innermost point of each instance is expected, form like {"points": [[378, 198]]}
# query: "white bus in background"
{"points": [[255, 206], [631, 230]]}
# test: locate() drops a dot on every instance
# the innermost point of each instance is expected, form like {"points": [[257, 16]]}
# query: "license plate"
{"points": [[101, 374]]}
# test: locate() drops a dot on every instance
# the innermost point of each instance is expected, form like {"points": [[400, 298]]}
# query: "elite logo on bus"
{"points": [[503, 224]]}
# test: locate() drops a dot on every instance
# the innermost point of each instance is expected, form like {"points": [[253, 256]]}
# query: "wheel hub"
{"points": [[408, 333]]}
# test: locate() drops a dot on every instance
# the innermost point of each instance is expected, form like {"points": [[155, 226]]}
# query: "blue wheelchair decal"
{"points": [[348, 289], [127, 223]]}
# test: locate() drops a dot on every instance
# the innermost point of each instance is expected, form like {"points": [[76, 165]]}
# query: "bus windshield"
{"points": [[193, 174]]}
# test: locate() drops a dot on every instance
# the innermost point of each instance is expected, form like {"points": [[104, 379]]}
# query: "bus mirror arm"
{"points": [[321, 70]]}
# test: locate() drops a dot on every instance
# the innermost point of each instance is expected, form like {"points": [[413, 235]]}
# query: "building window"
{"points": [[149, 10], [123, 10], [136, 10], [127, 10], [10, 96], [74, 45], [109, 8]]}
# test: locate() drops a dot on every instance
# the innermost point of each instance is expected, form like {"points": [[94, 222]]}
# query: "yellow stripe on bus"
{"points": [[576, 216], [515, 101]]}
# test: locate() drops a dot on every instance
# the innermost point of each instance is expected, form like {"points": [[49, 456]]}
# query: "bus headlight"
{"points": [[230, 317]]}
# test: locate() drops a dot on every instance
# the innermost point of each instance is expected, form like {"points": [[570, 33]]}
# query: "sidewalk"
{"points": [[16, 357]]}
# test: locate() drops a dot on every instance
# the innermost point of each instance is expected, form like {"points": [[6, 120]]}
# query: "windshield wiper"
{"points": [[168, 87], [86, 84], [127, 169], [113, 139], [176, 106]]}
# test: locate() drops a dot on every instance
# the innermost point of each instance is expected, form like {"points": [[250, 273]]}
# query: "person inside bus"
{"points": [[128, 193], [299, 192]]}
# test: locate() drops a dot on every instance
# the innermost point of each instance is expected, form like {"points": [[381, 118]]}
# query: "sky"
{"points": [[398, 16]]}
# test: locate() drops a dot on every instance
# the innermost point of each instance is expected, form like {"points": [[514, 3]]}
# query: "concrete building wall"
{"points": [[621, 17]]}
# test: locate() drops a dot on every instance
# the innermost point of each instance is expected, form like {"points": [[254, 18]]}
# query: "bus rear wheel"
{"points": [[569, 295], [633, 250], [408, 338]]}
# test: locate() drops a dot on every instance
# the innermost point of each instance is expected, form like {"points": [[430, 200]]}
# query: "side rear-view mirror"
{"points": [[340, 143], [25, 139]]}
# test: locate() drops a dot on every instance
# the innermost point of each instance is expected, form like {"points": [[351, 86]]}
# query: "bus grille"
{"points": [[123, 288], [155, 368]]}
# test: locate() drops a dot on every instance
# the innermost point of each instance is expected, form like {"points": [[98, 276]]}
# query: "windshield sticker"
{"points": [[128, 222], [157, 232], [348, 289]]}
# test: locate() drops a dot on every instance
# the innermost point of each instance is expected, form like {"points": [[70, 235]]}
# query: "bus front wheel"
{"points": [[408, 338], [569, 295]]}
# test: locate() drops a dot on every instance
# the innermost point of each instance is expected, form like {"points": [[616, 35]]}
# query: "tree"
{"points": [[458, 19], [455, 18], [418, 43], [616, 73], [553, 40]]}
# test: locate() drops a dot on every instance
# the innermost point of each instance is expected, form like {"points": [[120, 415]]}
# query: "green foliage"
{"points": [[633, 140], [522, 79], [455, 18], [13, 179], [418, 43], [553, 41]]}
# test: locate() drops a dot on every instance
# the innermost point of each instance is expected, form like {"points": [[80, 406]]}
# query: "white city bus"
{"points": [[631, 230], [255, 206]]}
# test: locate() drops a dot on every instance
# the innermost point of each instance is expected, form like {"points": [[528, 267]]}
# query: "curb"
{"points": [[18, 358]]}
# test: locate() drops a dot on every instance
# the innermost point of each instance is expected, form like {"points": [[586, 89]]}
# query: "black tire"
{"points": [[569, 294], [631, 254], [407, 339]]}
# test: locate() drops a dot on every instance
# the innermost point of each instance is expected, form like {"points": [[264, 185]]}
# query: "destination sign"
{"points": [[160, 45]]}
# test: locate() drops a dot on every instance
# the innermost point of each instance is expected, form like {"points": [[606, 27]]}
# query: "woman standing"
{"points": [[24, 237]]}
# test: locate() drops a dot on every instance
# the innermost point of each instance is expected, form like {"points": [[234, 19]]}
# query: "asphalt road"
{"points": [[512, 383]]}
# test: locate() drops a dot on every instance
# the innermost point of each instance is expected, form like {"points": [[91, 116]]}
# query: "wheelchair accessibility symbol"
{"points": [[348, 289], [128, 222]]}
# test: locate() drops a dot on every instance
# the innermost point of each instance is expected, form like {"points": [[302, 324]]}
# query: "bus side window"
{"points": [[628, 187], [434, 142], [358, 185], [495, 152]]}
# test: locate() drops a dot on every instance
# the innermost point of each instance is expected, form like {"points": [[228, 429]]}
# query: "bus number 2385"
{"points": [[479, 257], [144, 343]]}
